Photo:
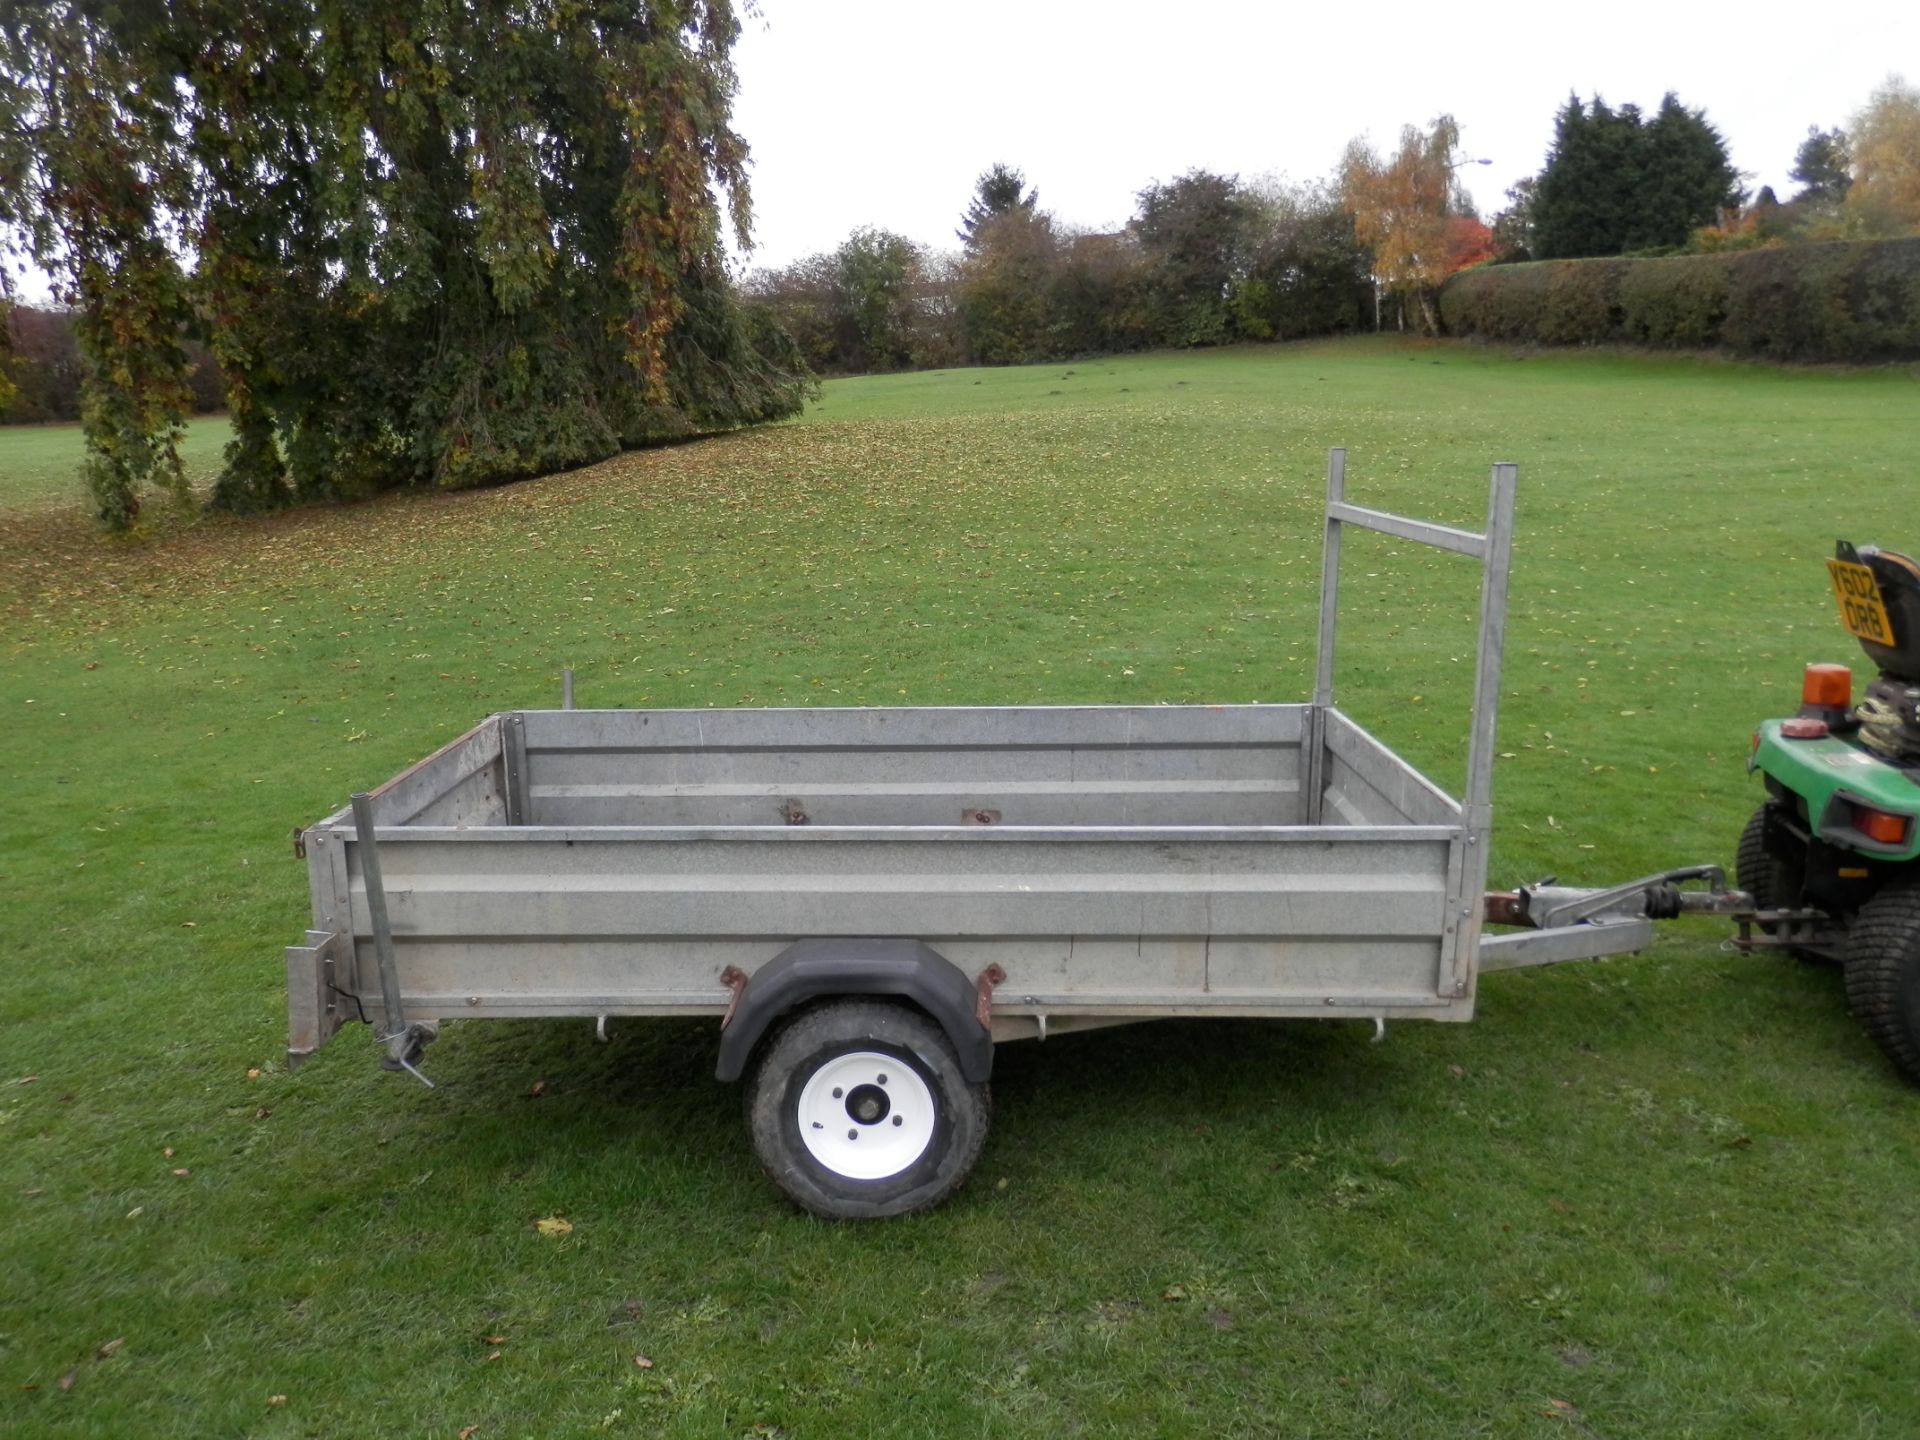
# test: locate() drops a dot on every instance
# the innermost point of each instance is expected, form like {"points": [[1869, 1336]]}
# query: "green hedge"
{"points": [[1854, 301]]}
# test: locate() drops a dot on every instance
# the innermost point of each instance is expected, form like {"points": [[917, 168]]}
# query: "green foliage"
{"points": [[1098, 297], [1848, 302], [453, 245], [1308, 273], [1513, 227], [1823, 166], [1678, 302], [1000, 191], [1616, 182], [1004, 297], [875, 270], [1193, 233]]}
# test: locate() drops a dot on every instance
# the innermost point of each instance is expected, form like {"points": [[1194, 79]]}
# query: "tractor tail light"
{"points": [[1828, 687], [1881, 825]]}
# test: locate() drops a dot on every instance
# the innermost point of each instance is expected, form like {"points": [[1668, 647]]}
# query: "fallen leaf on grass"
{"points": [[494, 1356], [467, 1431], [276, 1399], [66, 1380], [107, 1349], [136, 1212], [253, 1072], [26, 1080], [538, 1087], [1559, 1205], [262, 1113], [1174, 1292], [493, 1339], [167, 1151], [183, 1172], [643, 1362], [553, 1225]]}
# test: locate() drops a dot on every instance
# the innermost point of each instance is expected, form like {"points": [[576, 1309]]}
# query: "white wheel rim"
{"points": [[866, 1116]]}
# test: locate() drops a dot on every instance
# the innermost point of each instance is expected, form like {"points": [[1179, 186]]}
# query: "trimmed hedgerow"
{"points": [[1851, 301]]}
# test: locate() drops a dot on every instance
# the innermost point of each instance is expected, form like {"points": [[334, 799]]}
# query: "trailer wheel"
{"points": [[858, 1109], [1774, 883], [1883, 973]]}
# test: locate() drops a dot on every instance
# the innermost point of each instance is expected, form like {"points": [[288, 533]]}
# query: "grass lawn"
{"points": [[1671, 1195], [40, 464]]}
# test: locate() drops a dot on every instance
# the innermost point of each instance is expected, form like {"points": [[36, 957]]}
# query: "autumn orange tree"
{"points": [[428, 243], [1402, 207], [1884, 198]]}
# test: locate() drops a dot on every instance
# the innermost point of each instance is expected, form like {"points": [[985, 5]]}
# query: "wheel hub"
{"points": [[865, 1115]]}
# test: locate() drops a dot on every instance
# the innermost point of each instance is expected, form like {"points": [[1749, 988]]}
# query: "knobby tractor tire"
{"points": [[1883, 973], [1773, 883], [887, 1076]]}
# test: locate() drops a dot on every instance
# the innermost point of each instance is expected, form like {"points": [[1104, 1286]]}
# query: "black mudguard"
{"points": [[810, 969]]}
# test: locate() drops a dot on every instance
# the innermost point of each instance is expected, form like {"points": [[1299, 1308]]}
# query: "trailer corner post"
{"points": [[1315, 738], [1477, 809], [401, 1040], [513, 763]]}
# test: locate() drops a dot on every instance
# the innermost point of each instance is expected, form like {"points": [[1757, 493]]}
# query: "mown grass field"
{"points": [[39, 464], [1671, 1195]]}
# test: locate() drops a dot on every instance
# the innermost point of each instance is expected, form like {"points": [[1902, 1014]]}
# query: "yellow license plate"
{"points": [[1859, 596]]}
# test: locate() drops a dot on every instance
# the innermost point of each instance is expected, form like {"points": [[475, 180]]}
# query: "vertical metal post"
{"points": [[391, 1012], [513, 761], [1477, 819], [566, 688], [1314, 737]]}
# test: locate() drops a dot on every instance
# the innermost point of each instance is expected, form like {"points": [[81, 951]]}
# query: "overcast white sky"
{"points": [[882, 112]]}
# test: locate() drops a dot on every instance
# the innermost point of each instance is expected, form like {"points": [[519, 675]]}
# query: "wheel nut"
{"points": [[896, 1119], [853, 1134], [836, 1092]]}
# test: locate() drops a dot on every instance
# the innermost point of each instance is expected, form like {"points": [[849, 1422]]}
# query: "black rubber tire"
{"points": [[1883, 973], [1773, 883], [820, 1034]]}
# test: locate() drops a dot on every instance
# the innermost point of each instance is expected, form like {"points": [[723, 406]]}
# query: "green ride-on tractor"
{"points": [[1832, 859]]}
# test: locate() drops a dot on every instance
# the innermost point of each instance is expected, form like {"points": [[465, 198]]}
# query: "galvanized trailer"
{"points": [[868, 899]]}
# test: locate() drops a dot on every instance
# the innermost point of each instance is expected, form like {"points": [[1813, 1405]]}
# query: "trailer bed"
{"points": [[1112, 861]]}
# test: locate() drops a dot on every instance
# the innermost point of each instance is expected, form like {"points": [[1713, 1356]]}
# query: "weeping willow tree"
{"points": [[441, 241]]}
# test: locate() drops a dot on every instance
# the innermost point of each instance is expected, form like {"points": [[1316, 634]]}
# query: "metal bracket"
{"points": [[983, 984], [1550, 907], [735, 979]]}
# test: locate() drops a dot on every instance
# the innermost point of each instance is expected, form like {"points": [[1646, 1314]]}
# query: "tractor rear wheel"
{"points": [[1883, 973]]}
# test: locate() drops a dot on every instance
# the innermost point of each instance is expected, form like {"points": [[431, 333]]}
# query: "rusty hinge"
{"points": [[1504, 907], [793, 813], [983, 994], [299, 842], [735, 979]]}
